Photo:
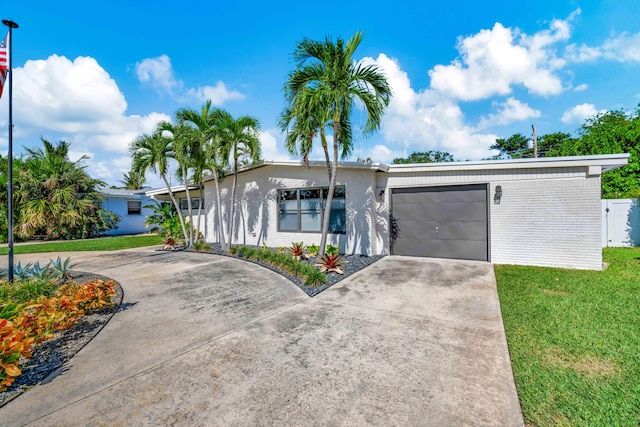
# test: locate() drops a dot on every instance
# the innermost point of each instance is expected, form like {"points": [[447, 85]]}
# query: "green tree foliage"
{"points": [[320, 94], [513, 147], [4, 181], [56, 198], [134, 180], [425, 157], [610, 133]]}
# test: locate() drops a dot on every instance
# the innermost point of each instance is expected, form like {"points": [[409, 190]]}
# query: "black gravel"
{"points": [[354, 263], [50, 356]]}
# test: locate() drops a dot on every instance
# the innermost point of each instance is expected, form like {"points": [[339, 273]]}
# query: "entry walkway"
{"points": [[209, 340]]}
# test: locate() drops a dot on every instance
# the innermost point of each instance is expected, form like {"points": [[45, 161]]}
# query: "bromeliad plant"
{"points": [[297, 249], [331, 262]]}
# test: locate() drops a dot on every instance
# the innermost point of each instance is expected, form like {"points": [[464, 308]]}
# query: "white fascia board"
{"points": [[313, 164], [605, 161], [164, 191]]}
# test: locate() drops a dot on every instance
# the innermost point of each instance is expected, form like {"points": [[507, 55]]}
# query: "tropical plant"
{"points": [[57, 198], [61, 268], [152, 152], [185, 141], [313, 250], [297, 249], [134, 180], [332, 250], [201, 246], [208, 155], [237, 137], [331, 262], [322, 90]]}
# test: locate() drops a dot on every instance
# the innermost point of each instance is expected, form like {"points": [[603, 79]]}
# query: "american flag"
{"points": [[3, 62]]}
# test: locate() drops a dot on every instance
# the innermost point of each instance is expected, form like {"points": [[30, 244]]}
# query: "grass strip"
{"points": [[574, 339], [102, 244]]}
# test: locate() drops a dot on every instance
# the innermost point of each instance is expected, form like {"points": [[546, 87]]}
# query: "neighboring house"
{"points": [[179, 192], [129, 204], [543, 211]]}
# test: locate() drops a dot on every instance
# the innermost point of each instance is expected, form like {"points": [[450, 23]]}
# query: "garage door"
{"points": [[441, 222]]}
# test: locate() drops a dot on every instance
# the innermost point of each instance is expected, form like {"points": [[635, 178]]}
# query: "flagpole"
{"points": [[11, 26]]}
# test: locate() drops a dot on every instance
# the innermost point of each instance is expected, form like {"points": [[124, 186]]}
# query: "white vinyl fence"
{"points": [[621, 222]]}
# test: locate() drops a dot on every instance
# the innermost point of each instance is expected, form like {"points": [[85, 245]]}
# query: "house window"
{"points": [[134, 207], [300, 210], [195, 204]]}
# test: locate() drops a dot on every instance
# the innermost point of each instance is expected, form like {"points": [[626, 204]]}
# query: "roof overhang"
{"points": [[602, 162], [174, 189]]}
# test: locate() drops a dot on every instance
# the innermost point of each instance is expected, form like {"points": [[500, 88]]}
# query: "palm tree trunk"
{"points": [[200, 202], [189, 208], [219, 210], [332, 186], [175, 203], [323, 140], [233, 200]]}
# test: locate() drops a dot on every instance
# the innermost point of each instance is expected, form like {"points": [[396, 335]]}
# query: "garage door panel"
{"points": [[462, 230], [445, 222]]}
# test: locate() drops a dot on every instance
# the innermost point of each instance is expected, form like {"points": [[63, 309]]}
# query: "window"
{"points": [[134, 207], [195, 204], [301, 210]]}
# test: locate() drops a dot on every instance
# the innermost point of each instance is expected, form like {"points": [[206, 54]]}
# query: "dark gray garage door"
{"points": [[441, 222]]}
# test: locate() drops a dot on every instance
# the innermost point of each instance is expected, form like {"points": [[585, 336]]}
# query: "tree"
{"points": [[321, 92], [425, 157], [514, 147], [609, 133], [185, 143], [237, 137], [152, 152], [134, 180], [57, 198], [209, 158]]}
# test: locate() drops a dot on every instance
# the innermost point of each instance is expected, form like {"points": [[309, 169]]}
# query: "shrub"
{"points": [[331, 262], [332, 250], [308, 274], [201, 246], [313, 250]]}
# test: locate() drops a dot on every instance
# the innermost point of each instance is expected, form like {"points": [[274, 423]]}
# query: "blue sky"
{"points": [[97, 74]]}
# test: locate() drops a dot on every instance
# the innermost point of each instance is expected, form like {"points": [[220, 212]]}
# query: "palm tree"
{"points": [[207, 157], [133, 180], [321, 91], [57, 198], [185, 141], [238, 139], [152, 152]]}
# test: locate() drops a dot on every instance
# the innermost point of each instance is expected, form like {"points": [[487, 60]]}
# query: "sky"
{"points": [[463, 73]]}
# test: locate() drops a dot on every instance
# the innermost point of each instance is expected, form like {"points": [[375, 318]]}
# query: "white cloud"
{"points": [[579, 113], [424, 120], [509, 111], [492, 61], [623, 47], [270, 146], [218, 94], [158, 73], [580, 88]]}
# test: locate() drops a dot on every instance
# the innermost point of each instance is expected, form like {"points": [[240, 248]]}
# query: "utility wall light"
{"points": [[498, 195]]}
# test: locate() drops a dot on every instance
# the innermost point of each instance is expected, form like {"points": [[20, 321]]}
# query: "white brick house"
{"points": [[544, 211]]}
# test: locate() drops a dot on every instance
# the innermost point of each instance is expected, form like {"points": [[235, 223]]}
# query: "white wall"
{"points": [[546, 216], [621, 222], [257, 211]]}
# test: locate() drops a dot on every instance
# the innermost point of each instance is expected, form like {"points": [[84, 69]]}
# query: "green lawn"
{"points": [[574, 339], [103, 244]]}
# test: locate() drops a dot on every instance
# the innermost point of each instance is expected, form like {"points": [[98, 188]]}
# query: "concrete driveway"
{"points": [[208, 340]]}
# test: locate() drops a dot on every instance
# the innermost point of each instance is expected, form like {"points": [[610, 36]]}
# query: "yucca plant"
{"points": [[60, 269], [41, 272], [331, 262], [21, 272]]}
